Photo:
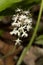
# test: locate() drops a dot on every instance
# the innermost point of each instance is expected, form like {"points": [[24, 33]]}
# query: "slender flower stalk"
{"points": [[33, 37]]}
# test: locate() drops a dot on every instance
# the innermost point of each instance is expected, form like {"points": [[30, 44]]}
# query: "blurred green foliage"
{"points": [[39, 40], [8, 6]]}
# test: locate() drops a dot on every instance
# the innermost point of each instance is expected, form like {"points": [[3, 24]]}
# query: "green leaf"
{"points": [[7, 3], [1, 32], [7, 7], [39, 40], [39, 37], [31, 1]]}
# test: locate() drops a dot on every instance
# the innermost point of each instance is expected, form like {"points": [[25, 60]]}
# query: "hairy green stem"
{"points": [[33, 37]]}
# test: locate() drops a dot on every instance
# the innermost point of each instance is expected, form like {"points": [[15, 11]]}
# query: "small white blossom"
{"points": [[15, 19], [18, 41], [18, 10], [27, 21], [14, 32], [26, 12], [21, 29], [17, 24], [28, 27], [22, 17], [24, 34]]}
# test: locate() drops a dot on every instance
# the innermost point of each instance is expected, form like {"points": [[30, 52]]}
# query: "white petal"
{"points": [[19, 34], [22, 17]]}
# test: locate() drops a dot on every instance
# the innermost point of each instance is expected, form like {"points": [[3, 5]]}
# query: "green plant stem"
{"points": [[33, 37]]}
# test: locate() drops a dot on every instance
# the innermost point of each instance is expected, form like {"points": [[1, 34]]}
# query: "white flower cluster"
{"points": [[22, 24]]}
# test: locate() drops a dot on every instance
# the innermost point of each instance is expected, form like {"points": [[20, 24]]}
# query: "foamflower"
{"points": [[22, 24]]}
